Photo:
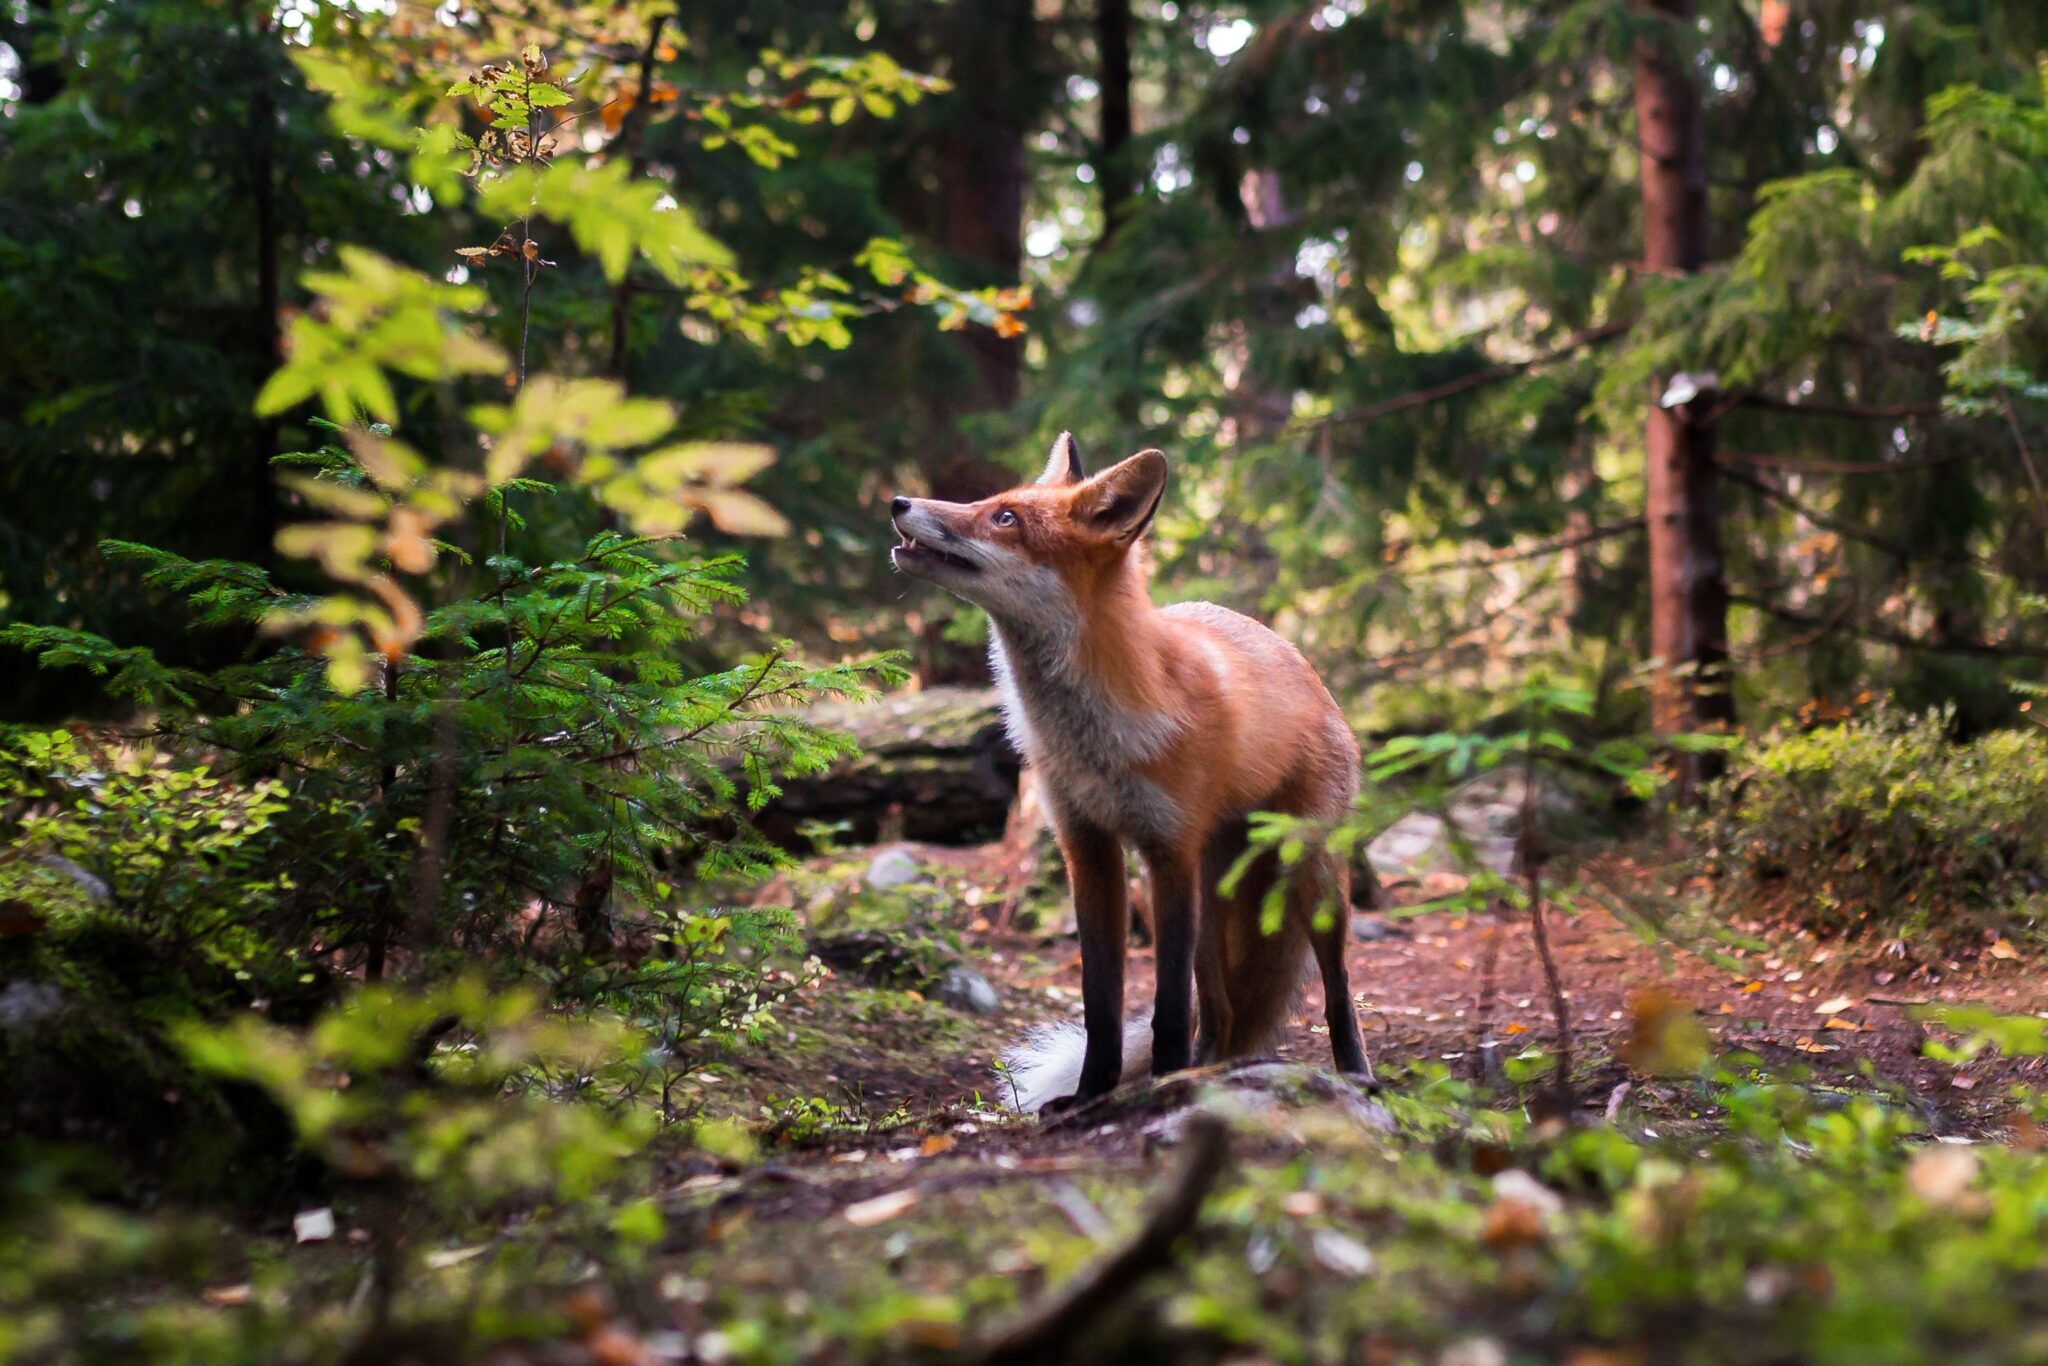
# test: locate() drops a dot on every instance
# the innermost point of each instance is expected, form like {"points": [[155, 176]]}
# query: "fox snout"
{"points": [[930, 549]]}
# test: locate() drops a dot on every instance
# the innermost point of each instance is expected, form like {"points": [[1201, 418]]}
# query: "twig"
{"points": [[1532, 870], [1482, 1008], [1868, 412], [1798, 466], [2019, 441], [1898, 639], [1049, 1332], [1491, 374], [1555, 546], [1904, 554]]}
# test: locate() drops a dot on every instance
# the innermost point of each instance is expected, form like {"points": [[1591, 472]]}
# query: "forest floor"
{"points": [[896, 1207]]}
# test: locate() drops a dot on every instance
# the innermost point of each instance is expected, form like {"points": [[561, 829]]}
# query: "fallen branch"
{"points": [[1049, 1332]]}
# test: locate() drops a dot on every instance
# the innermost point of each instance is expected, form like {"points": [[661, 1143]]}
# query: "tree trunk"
{"points": [[262, 152], [632, 139], [1120, 184], [1688, 585], [964, 195], [42, 78]]}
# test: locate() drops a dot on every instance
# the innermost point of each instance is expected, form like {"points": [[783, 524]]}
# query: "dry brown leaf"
{"points": [[881, 1209]]}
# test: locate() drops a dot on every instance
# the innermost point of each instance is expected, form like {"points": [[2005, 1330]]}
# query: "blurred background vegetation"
{"points": [[1381, 278]]}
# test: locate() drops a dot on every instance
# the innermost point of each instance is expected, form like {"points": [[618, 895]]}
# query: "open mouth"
{"points": [[913, 550]]}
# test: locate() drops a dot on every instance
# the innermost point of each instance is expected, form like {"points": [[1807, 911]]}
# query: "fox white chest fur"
{"points": [[1087, 747]]}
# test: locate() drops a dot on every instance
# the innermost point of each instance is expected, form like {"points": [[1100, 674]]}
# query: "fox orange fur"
{"points": [[1160, 729]]}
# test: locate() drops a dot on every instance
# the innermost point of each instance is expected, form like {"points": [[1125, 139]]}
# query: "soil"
{"points": [[1841, 1015]]}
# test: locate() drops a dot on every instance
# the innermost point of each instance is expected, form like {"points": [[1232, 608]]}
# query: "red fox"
{"points": [[1163, 729]]}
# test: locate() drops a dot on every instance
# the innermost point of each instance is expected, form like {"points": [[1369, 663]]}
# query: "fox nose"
{"points": [[899, 505]]}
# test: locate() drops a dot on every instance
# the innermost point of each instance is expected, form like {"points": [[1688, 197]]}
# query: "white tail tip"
{"points": [[1046, 1063]]}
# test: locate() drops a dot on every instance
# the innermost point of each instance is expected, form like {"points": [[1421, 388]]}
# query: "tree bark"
{"points": [[632, 138], [262, 151], [42, 79], [1120, 184], [1688, 583]]}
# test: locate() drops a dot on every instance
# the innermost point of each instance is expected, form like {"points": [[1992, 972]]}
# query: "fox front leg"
{"points": [[1095, 870], [1175, 910]]}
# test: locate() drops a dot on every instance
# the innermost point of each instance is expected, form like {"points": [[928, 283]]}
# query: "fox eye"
{"points": [[1005, 517]]}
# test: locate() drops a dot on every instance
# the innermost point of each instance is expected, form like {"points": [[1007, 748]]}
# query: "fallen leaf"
{"points": [[1341, 1253], [1754, 986], [1665, 1037], [1842, 1024], [1941, 1174], [226, 1296], [936, 1144], [1514, 1028], [614, 1346], [2002, 948], [881, 1209], [1835, 1005], [1511, 1224], [1302, 1204], [455, 1256]]}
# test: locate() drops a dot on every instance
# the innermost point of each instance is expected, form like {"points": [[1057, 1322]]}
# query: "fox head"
{"points": [[1038, 551]]}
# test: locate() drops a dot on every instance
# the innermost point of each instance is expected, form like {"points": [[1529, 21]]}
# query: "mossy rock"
{"points": [[935, 765]]}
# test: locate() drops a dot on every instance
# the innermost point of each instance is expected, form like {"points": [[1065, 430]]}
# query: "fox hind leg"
{"points": [[1213, 951], [1321, 897]]}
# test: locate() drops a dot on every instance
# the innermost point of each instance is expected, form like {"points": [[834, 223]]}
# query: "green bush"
{"points": [[1886, 823]]}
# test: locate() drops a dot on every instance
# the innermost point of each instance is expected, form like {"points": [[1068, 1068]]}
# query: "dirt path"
{"points": [[1828, 1010]]}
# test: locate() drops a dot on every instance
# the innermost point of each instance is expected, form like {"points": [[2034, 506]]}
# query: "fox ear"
{"points": [[1064, 465], [1123, 498]]}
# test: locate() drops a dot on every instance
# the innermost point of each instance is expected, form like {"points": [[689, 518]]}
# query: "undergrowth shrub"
{"points": [[1885, 823]]}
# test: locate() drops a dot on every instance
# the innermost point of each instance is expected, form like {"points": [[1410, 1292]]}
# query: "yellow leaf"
{"points": [[740, 514]]}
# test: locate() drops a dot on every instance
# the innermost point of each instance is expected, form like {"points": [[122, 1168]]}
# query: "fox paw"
{"points": [[1061, 1105]]}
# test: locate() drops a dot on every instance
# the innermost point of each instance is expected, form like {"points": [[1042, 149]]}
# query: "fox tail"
{"points": [[1046, 1063]]}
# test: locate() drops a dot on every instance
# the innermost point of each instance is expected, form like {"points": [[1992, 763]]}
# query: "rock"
{"points": [[25, 1003], [962, 988], [869, 955], [935, 766], [907, 962], [892, 868], [1487, 811], [1371, 929], [1266, 1093]]}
